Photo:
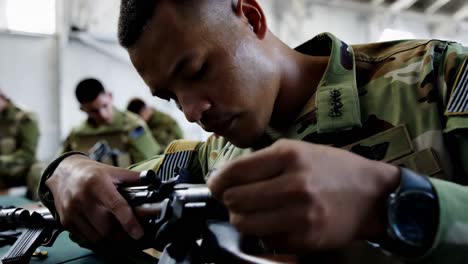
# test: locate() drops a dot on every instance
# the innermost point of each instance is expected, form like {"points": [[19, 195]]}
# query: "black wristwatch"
{"points": [[413, 216]]}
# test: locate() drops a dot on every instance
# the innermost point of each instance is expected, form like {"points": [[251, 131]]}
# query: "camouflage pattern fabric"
{"points": [[164, 128], [19, 135], [127, 133]]}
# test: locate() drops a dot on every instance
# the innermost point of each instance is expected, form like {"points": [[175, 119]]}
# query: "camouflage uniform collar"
{"points": [[335, 105]]}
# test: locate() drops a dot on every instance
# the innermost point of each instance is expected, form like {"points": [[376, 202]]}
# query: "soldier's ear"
{"points": [[252, 11]]}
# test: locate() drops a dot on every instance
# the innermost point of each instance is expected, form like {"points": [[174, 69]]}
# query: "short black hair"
{"points": [[88, 90], [134, 15], [136, 105]]}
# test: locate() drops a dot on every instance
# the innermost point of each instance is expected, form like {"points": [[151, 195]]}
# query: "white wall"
{"points": [[28, 76]]}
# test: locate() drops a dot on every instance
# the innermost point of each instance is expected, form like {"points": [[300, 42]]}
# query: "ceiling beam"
{"points": [[438, 4], [402, 5], [462, 13]]}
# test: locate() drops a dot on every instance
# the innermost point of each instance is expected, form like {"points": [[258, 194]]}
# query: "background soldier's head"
{"points": [[216, 58], [139, 107], [95, 101]]}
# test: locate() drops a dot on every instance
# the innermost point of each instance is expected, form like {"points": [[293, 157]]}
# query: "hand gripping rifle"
{"points": [[180, 219], [184, 222], [38, 228]]}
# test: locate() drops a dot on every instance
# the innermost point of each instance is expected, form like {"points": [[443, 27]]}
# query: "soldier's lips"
{"points": [[219, 126]]}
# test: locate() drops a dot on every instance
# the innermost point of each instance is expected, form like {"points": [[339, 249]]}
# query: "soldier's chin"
{"points": [[242, 142], [104, 122], [108, 121]]}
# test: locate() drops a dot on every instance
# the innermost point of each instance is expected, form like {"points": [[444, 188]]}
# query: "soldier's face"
{"points": [[214, 67], [100, 111], [146, 113]]}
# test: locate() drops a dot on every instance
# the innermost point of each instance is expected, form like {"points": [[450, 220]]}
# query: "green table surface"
{"points": [[63, 251]]}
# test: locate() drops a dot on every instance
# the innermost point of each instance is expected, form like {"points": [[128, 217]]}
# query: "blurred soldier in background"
{"points": [[162, 126], [19, 135], [123, 131]]}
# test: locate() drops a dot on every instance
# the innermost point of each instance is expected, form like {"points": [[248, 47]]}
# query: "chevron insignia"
{"points": [[173, 162], [458, 103]]}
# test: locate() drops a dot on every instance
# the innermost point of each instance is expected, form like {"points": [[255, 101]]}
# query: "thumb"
{"points": [[117, 204], [125, 177]]}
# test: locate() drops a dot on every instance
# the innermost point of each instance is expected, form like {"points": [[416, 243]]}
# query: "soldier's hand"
{"points": [[88, 202], [300, 197]]}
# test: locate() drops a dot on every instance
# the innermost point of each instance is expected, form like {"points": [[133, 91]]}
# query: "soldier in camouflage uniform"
{"points": [[19, 135], [122, 131], [162, 126], [309, 143]]}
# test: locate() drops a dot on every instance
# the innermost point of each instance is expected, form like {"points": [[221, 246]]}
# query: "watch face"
{"points": [[412, 217]]}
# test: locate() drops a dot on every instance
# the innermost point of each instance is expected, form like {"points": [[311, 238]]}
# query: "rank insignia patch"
{"points": [[458, 102], [136, 133]]}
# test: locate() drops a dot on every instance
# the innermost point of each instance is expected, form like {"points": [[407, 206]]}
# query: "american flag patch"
{"points": [[458, 103], [172, 162]]}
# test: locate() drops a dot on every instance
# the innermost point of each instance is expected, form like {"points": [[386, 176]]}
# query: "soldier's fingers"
{"points": [[260, 165], [125, 177], [266, 195], [122, 211], [84, 230], [103, 220], [298, 242], [268, 223]]}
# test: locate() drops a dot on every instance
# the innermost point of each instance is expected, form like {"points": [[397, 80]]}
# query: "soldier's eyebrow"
{"points": [[156, 86], [163, 92], [157, 91]]}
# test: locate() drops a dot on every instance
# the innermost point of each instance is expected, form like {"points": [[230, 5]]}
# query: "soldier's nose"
{"points": [[194, 112]]}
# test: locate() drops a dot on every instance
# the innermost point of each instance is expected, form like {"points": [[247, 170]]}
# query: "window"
{"points": [[393, 34], [33, 16]]}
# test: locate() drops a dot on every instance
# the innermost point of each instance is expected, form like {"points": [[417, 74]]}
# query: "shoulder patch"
{"points": [[136, 133], [458, 102]]}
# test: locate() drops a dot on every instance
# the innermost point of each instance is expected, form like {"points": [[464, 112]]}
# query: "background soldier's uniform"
{"points": [[127, 133], [164, 128], [19, 135], [385, 101]]}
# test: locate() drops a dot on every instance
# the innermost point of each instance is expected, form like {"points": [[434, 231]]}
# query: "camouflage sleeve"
{"points": [[176, 131], [452, 235], [167, 129], [24, 156], [65, 147], [142, 144]]}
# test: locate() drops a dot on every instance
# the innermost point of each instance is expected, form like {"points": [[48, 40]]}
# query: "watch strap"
{"points": [[411, 182]]}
